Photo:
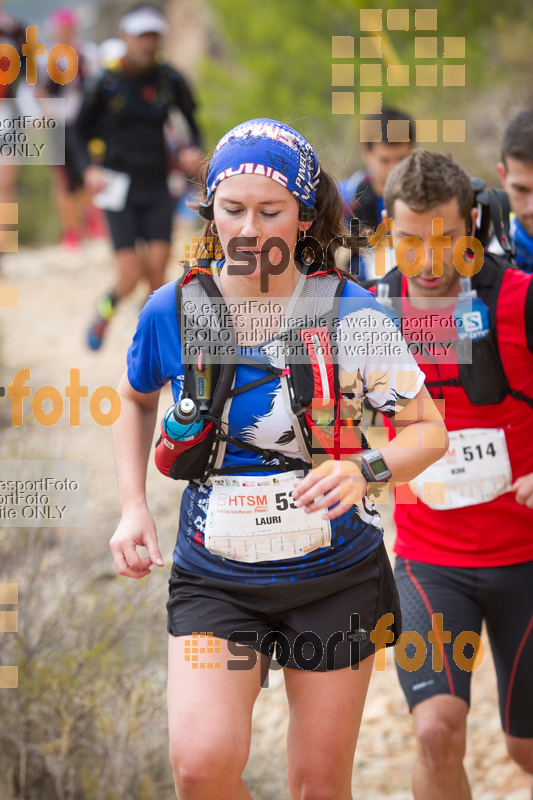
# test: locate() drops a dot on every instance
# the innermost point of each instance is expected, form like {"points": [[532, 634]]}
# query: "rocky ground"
{"points": [[57, 293]]}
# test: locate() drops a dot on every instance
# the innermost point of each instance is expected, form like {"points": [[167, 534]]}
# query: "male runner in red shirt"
{"points": [[466, 552]]}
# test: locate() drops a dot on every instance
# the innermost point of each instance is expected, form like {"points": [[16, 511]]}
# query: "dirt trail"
{"points": [[57, 293]]}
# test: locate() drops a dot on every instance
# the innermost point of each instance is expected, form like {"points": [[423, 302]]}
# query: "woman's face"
{"points": [[256, 206]]}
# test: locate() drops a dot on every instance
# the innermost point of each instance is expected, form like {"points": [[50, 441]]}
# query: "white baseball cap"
{"points": [[144, 20], [112, 50]]}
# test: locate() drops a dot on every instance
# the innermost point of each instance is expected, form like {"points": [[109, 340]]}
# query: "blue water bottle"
{"points": [[382, 296], [183, 421], [471, 315]]}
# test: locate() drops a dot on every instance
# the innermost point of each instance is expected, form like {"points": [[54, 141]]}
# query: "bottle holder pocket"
{"points": [[184, 460]]}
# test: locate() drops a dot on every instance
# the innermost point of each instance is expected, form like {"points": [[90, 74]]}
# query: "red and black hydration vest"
{"points": [[484, 381]]}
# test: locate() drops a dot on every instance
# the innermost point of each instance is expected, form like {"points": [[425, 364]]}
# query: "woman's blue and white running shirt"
{"points": [[372, 365]]}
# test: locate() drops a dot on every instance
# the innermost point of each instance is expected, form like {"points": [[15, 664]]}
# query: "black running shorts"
{"points": [[148, 215], [317, 624], [502, 597]]}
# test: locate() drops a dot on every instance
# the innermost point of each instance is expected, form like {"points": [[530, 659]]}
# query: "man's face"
{"points": [[517, 180], [420, 223], [142, 50], [381, 159]]}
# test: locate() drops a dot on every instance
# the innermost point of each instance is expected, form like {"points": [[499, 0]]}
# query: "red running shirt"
{"points": [[498, 532]]}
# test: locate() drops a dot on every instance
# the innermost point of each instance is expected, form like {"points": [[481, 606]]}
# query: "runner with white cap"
{"points": [[127, 110], [144, 20]]}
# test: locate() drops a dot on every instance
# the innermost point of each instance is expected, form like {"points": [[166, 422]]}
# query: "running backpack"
{"points": [[484, 380]]}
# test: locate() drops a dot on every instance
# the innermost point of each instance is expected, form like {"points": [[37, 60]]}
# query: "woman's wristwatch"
{"points": [[373, 466]]}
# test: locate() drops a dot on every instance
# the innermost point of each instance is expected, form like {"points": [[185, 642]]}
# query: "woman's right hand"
{"points": [[136, 529]]}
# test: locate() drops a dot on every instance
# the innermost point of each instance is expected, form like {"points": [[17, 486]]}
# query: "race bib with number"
{"points": [[476, 469], [113, 197], [255, 519]]}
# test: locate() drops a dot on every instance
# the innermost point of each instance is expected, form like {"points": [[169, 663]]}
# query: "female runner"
{"points": [[322, 602]]}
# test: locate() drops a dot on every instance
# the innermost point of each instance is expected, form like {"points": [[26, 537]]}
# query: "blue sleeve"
{"points": [[154, 356], [348, 187], [345, 190], [354, 290]]}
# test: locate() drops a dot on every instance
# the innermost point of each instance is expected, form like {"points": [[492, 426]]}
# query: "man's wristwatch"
{"points": [[373, 466]]}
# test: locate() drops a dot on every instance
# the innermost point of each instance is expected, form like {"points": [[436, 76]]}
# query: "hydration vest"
{"points": [[484, 380], [118, 96], [308, 372]]}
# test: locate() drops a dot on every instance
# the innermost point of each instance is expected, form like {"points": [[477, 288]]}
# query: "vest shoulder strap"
{"points": [[394, 280], [194, 295], [488, 281]]}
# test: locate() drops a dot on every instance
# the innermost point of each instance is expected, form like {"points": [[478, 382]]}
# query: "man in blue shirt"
{"points": [[516, 174], [362, 192]]}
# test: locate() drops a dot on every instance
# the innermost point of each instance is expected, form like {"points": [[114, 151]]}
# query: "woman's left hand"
{"points": [[334, 483]]}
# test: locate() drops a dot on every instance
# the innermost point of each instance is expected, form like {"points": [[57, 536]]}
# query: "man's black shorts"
{"points": [[148, 215], [311, 620], [502, 597]]}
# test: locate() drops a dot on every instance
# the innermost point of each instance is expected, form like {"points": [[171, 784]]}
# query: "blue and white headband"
{"points": [[269, 148]]}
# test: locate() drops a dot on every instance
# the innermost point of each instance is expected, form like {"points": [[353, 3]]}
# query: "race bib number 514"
{"points": [[476, 469]]}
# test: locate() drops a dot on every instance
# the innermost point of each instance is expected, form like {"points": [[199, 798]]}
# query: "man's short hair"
{"points": [[390, 115], [518, 137], [423, 180]]}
